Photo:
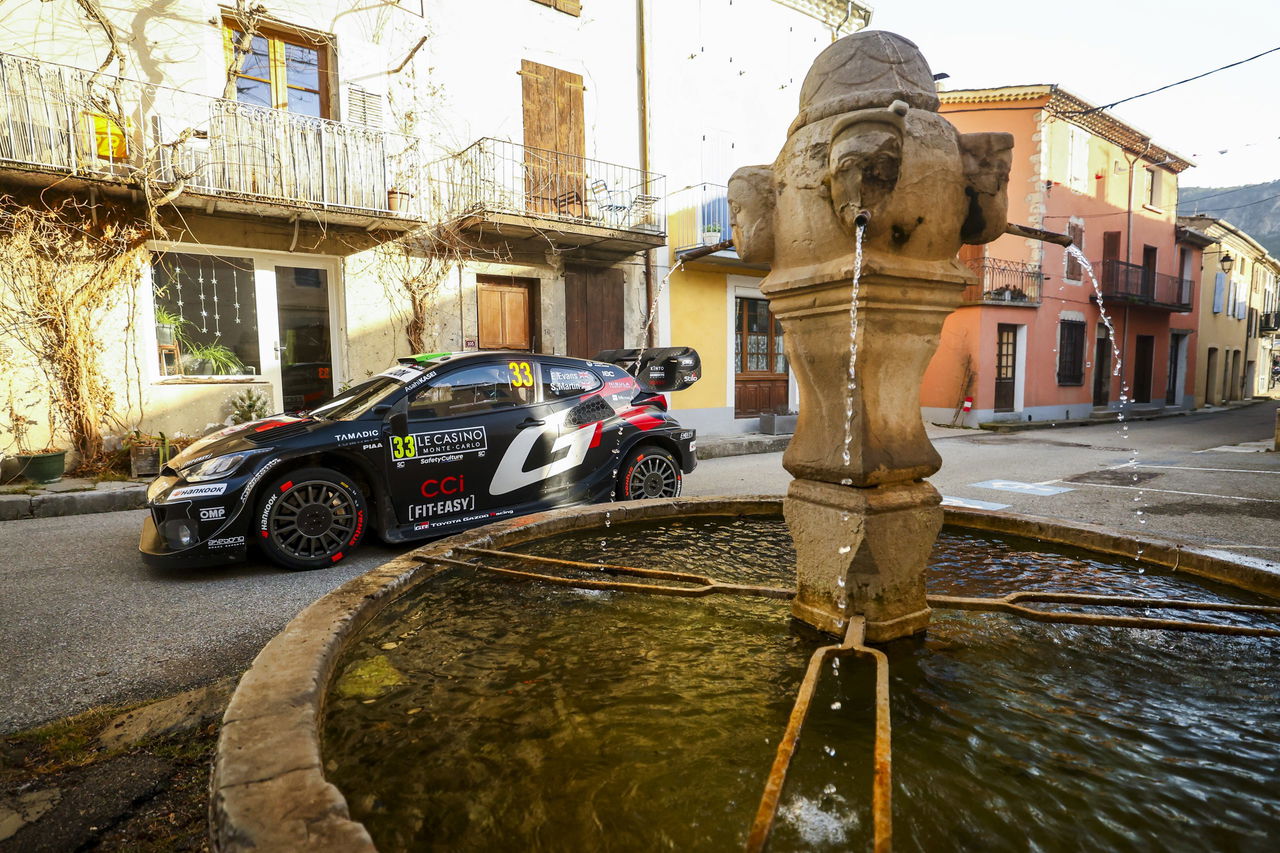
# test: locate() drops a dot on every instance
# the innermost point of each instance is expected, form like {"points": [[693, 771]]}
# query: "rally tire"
{"points": [[310, 518], [649, 472]]}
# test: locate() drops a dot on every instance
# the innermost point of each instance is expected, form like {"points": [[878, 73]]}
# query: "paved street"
{"points": [[85, 622]]}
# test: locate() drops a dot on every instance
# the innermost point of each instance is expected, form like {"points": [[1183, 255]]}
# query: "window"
{"points": [[283, 70], [758, 339], [476, 389], [1070, 352], [1078, 159], [1076, 231], [1154, 186], [206, 315]]}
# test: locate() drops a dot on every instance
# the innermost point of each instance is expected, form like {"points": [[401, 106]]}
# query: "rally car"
{"points": [[435, 445]]}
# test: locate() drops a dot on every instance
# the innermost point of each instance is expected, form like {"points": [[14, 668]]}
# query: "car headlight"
{"points": [[215, 468]]}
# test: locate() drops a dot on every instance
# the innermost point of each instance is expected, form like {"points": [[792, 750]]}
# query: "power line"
{"points": [[1238, 206], [1092, 110]]}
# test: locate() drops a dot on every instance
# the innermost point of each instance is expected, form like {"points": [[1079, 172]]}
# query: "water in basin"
{"points": [[481, 713]]}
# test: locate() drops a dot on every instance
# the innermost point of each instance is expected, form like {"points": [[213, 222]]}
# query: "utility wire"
{"points": [[1238, 206], [1171, 85]]}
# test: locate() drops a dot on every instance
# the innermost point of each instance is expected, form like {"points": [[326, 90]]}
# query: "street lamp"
{"points": [[1227, 262]]}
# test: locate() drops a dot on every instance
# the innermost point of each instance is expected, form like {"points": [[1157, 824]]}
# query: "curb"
{"points": [[720, 446], [1131, 417], [55, 504]]}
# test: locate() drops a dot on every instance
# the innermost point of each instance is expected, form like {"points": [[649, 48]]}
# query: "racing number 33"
{"points": [[521, 375], [403, 447]]}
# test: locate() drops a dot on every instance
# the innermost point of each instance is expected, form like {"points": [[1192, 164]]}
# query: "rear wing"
{"points": [[659, 369]]}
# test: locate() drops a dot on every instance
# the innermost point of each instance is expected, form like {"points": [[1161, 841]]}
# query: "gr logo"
{"points": [[443, 486], [213, 513]]}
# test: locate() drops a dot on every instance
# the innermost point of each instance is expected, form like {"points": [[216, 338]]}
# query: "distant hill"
{"points": [[1253, 208]]}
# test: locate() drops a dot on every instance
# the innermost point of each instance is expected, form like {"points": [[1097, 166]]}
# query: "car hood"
{"points": [[241, 437]]}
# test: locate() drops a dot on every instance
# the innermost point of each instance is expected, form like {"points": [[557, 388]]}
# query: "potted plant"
{"points": [[38, 466], [248, 405], [211, 359], [398, 199], [711, 234], [147, 453], [168, 327]]}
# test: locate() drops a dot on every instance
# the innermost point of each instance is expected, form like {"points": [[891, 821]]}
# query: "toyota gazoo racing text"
{"points": [[437, 444]]}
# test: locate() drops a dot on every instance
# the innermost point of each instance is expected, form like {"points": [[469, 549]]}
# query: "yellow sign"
{"points": [[521, 375]]}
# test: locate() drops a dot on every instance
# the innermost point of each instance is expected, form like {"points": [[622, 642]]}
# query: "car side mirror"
{"points": [[399, 421]]}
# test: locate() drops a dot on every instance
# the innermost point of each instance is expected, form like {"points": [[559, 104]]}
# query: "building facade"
{"points": [[1238, 302], [325, 187], [1040, 338]]}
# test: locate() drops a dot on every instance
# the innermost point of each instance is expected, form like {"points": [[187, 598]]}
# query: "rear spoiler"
{"points": [[659, 369]]}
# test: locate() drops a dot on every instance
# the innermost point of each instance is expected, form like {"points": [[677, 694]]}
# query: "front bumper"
{"points": [[158, 552]]}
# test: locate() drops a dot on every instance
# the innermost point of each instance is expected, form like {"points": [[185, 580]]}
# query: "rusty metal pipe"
{"points": [[1037, 234], [703, 251]]}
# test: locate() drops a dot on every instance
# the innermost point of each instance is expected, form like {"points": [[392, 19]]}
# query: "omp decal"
{"points": [[511, 474], [358, 436], [227, 542], [443, 486], [439, 508], [187, 492], [257, 478], [403, 373], [433, 445], [213, 513]]}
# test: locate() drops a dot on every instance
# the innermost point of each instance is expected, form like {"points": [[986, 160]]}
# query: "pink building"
{"points": [[1029, 342]]}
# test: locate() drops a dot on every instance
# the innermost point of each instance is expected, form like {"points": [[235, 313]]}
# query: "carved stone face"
{"points": [[864, 163], [987, 158], [751, 205]]}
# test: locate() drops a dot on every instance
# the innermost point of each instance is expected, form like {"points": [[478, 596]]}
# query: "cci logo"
{"points": [[443, 486]]}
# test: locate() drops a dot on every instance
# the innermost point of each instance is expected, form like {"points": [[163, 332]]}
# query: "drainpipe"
{"points": [[642, 96]]}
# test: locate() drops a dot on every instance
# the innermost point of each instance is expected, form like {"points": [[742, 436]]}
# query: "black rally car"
{"points": [[435, 445]]}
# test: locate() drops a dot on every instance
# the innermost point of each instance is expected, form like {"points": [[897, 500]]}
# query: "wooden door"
{"points": [[506, 315], [1110, 252], [760, 375], [1102, 372], [555, 144], [1171, 390], [1143, 367], [593, 307], [1006, 366]]}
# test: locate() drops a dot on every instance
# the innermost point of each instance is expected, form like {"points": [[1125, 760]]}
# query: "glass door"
{"points": [[304, 345]]}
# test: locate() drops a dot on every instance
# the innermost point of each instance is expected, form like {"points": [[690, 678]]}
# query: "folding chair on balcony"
{"points": [[569, 205], [612, 205], [640, 214]]}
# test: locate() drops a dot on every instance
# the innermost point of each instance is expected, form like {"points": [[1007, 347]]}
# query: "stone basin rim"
{"points": [[268, 789]]}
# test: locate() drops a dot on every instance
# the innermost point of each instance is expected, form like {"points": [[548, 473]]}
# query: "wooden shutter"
{"points": [[554, 138], [1075, 231], [504, 316]]}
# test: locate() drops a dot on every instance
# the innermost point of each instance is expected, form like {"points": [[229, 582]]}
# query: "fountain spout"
{"points": [[1038, 234], [703, 251]]}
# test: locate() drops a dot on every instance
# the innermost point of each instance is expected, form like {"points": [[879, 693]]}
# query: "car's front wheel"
{"points": [[310, 518], [649, 472]]}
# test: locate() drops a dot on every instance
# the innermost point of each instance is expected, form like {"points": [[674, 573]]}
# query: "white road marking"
{"points": [[1175, 492], [1223, 470], [1021, 488]]}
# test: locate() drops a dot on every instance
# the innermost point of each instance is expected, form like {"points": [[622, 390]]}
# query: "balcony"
{"points": [[1012, 284], [1269, 322], [1133, 284], [505, 197], [98, 129], [700, 217]]}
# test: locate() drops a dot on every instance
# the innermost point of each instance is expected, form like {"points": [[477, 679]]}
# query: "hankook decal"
{"points": [[187, 492]]}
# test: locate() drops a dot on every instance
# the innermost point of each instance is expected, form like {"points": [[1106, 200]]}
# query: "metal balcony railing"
{"points": [[1269, 322], [494, 176], [74, 122], [1013, 283], [1137, 285], [699, 216]]}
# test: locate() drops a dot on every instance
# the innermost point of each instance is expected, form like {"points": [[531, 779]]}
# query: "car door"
{"points": [[460, 424]]}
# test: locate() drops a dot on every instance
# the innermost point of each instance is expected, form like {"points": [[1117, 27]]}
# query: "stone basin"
{"points": [[270, 789]]}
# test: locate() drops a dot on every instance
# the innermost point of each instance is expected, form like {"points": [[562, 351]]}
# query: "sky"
{"points": [[1228, 123]]}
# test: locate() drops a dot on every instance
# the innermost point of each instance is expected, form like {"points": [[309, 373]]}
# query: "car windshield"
{"points": [[355, 402]]}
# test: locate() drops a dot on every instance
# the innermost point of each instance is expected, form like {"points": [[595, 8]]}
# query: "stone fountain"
{"points": [[860, 218], [869, 168]]}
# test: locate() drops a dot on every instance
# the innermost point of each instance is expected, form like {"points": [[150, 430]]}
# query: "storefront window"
{"points": [[206, 315]]}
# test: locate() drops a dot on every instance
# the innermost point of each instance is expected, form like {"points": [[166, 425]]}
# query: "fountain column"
{"points": [[869, 172]]}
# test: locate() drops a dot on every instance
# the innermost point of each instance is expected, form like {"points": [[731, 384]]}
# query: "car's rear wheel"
{"points": [[310, 518], [650, 472]]}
